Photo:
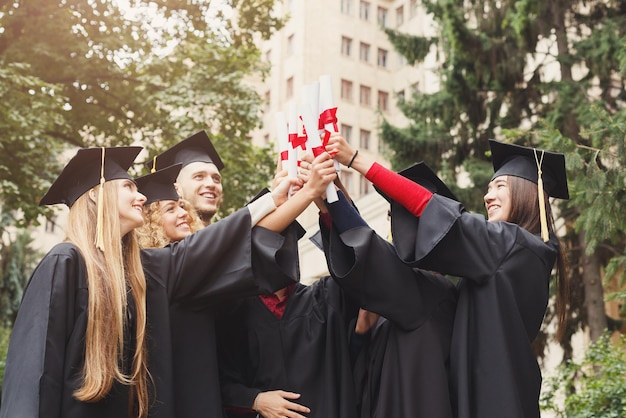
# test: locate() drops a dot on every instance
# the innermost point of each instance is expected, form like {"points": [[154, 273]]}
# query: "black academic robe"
{"points": [[196, 372], [403, 371], [306, 351], [503, 295], [46, 350]]}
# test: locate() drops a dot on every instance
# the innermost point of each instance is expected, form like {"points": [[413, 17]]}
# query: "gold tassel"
{"points": [[153, 165], [100, 210], [542, 203]]}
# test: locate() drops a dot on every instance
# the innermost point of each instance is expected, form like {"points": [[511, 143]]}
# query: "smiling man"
{"points": [[199, 181]]}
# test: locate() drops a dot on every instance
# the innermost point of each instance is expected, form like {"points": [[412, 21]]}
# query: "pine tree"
{"points": [[546, 74]]}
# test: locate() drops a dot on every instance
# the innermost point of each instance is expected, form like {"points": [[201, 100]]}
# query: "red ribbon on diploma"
{"points": [[297, 141], [328, 116], [318, 150]]}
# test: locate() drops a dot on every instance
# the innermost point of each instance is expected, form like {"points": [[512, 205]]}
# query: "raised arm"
{"points": [[402, 190], [322, 172]]}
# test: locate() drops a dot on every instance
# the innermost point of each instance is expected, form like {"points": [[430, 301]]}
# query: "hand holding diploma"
{"points": [[310, 123]]}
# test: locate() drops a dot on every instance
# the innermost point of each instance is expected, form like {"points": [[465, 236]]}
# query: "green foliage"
{"points": [[595, 387], [535, 73], [29, 110], [414, 48], [5, 333], [17, 260], [485, 88], [76, 73]]}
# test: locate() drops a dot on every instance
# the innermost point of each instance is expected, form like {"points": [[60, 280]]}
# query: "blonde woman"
{"points": [[168, 217], [92, 336]]}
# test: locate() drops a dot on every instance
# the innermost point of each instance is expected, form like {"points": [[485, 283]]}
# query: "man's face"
{"points": [[201, 184]]}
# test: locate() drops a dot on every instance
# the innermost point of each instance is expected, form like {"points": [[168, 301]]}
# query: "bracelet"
{"points": [[353, 157]]}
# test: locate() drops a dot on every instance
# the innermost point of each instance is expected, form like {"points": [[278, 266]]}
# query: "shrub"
{"points": [[595, 387]]}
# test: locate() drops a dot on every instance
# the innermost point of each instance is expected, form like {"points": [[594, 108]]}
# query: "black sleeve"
{"points": [[234, 358], [452, 241], [216, 262], [368, 268], [34, 376]]}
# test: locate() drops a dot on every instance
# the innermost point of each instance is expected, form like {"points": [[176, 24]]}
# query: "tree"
{"points": [[17, 260], [536, 73], [96, 75]]}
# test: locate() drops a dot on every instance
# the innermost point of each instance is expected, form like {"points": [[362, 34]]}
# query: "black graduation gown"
{"points": [[46, 350], [403, 370], [503, 295], [306, 351], [196, 371]]}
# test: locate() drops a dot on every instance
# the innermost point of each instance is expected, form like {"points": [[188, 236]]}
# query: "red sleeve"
{"points": [[326, 219], [399, 188]]}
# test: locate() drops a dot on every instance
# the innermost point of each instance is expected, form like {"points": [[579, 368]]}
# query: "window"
{"points": [[266, 139], [365, 96], [346, 7], [382, 17], [346, 46], [364, 186], [267, 100], [399, 15], [364, 10], [383, 100], [382, 58], [289, 88], [346, 132], [268, 55], [290, 46], [364, 139], [50, 225], [364, 52], [346, 90], [412, 9]]}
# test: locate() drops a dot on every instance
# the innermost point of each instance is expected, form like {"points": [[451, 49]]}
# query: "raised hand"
{"points": [[281, 187], [317, 174], [339, 148]]}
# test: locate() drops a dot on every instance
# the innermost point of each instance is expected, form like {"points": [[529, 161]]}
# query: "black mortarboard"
{"points": [[159, 185], [197, 147], [83, 172], [421, 174], [525, 162]]}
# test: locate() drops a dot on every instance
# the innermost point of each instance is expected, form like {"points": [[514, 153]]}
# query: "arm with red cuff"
{"points": [[399, 188]]}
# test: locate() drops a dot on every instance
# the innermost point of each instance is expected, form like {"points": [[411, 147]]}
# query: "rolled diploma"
{"points": [[309, 116], [292, 164], [327, 103]]}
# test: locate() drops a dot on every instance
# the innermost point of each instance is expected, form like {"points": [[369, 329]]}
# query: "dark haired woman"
{"points": [[504, 263]]}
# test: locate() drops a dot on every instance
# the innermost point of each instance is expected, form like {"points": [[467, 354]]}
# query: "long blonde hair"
{"points": [[110, 275], [152, 235]]}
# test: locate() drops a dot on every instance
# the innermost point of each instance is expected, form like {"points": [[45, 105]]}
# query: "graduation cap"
{"points": [[544, 168], [88, 168], [84, 171], [159, 185], [421, 174], [197, 147]]}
